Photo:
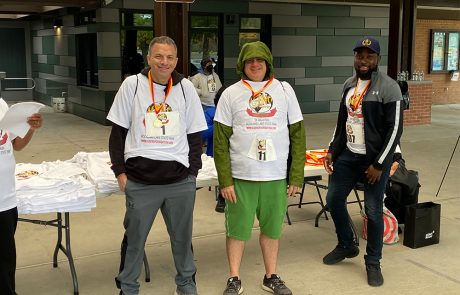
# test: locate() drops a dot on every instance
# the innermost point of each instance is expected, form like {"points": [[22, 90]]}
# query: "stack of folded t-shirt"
{"points": [[97, 166], [53, 187]]}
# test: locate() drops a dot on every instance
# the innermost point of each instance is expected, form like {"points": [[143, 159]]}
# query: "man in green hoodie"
{"points": [[258, 124]]}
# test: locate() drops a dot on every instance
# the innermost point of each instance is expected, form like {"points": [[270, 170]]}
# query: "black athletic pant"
{"points": [[8, 223]]}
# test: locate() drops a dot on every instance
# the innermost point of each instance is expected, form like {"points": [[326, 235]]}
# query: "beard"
{"points": [[365, 75]]}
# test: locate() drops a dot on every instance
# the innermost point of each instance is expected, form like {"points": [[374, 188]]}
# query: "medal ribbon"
{"points": [[356, 101], [254, 94], [168, 89]]}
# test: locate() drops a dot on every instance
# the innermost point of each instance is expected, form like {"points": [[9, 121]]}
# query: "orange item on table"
{"points": [[315, 157]]}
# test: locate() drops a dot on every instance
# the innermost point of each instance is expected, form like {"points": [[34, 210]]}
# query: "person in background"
{"points": [[258, 123], [206, 83], [207, 136], [155, 150], [8, 201], [369, 127], [134, 65]]}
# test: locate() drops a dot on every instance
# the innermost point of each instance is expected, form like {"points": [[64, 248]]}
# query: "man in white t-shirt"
{"points": [[369, 127], [258, 124], [8, 201], [155, 149]]}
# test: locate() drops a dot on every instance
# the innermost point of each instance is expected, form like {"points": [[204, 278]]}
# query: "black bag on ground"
{"points": [[402, 190], [422, 226]]}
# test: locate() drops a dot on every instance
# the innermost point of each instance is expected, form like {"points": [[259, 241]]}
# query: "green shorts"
{"points": [[265, 199]]}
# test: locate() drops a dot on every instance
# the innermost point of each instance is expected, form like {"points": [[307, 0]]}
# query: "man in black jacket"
{"points": [[368, 129], [155, 149]]}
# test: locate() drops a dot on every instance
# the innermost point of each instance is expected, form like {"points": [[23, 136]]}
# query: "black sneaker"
{"points": [[340, 253], [220, 206], [374, 275], [233, 286], [275, 285]]}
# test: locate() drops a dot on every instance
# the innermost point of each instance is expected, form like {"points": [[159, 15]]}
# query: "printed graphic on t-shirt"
{"points": [[261, 106], [212, 86], [261, 114], [355, 124], [26, 174]]}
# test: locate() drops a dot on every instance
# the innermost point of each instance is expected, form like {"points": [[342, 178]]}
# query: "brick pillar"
{"points": [[419, 112]]}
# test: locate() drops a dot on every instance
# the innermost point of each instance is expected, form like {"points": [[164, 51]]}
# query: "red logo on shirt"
{"points": [[4, 138]]}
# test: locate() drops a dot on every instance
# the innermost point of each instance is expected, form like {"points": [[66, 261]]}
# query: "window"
{"points": [[136, 34], [444, 51], [205, 33], [255, 28], [87, 71]]}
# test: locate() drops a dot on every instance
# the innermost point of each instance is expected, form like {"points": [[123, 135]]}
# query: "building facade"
{"points": [[85, 55]]}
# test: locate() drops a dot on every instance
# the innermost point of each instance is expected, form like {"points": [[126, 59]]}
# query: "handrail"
{"points": [[21, 88]]}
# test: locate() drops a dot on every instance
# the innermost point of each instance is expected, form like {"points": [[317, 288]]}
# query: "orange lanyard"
{"points": [[254, 94], [162, 105], [356, 101]]}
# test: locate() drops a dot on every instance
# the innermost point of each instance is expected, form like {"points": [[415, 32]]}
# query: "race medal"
{"points": [[262, 150], [355, 133], [163, 124]]}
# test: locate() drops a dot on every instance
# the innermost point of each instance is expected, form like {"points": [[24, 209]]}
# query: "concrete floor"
{"points": [[96, 235]]}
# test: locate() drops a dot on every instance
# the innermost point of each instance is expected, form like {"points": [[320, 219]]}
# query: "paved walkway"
{"points": [[96, 235]]}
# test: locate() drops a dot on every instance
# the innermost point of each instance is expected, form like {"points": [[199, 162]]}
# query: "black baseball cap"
{"points": [[368, 42]]}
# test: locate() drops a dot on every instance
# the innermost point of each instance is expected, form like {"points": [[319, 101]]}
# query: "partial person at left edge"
{"points": [[8, 201], [155, 149]]}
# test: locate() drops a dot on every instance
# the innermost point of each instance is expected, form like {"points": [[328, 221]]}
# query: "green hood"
{"points": [[251, 50]]}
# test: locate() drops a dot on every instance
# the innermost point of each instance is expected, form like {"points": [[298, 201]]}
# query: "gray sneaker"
{"points": [[233, 286], [275, 285], [180, 291]]}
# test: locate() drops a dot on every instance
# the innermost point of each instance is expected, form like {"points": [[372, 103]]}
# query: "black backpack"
{"points": [[402, 190], [405, 93]]}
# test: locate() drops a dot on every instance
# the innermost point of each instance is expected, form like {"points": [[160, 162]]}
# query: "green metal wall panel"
{"points": [[104, 27], [300, 61], [357, 32], [109, 97], [314, 107], [48, 44], [230, 74], [13, 55], [89, 113], [53, 60], [340, 22], [109, 63], [327, 10], [335, 45], [304, 93], [231, 45], [73, 72], [93, 98], [55, 89], [71, 48], [340, 80], [329, 71], [314, 32], [283, 31]]}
